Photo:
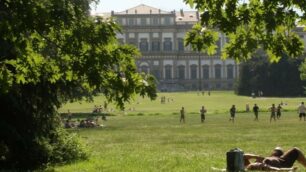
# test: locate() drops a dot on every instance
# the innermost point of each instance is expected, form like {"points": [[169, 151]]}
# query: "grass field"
{"points": [[152, 139]]}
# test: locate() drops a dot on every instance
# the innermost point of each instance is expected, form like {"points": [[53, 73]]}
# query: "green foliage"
{"points": [[53, 52], [198, 35], [258, 74], [302, 69], [251, 25], [67, 147]]}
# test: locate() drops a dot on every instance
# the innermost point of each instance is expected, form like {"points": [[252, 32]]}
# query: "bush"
{"points": [[67, 147]]}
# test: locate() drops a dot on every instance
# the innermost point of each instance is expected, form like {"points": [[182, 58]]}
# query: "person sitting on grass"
{"points": [[277, 161]]}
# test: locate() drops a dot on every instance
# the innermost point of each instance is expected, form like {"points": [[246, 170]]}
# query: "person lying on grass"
{"points": [[277, 161]]}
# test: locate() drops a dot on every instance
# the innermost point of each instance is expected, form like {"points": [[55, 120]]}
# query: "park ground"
{"points": [[147, 136]]}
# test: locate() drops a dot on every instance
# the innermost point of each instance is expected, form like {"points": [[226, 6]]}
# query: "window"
{"points": [[205, 72], [143, 44], [180, 44], [168, 72], [121, 41], [143, 21], [156, 73], [131, 21], [230, 72], [119, 21], [132, 42], [155, 21], [193, 72], [181, 72], [218, 43], [167, 21], [155, 45], [167, 44], [144, 69], [217, 71]]}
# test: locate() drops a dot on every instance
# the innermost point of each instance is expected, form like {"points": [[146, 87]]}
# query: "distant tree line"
{"points": [[273, 79]]}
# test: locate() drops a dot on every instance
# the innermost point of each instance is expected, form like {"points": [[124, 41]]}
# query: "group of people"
{"points": [[89, 122], [163, 100], [275, 112], [84, 123]]}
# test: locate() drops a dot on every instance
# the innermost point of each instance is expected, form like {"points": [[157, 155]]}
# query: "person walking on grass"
{"points": [[202, 112], [278, 111], [302, 111], [273, 112], [232, 113], [255, 110], [182, 111]]}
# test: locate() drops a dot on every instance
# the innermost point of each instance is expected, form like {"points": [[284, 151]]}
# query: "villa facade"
{"points": [[159, 35]]}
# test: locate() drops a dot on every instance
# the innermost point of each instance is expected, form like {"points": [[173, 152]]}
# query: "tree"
{"points": [[258, 74], [252, 25], [53, 51]]}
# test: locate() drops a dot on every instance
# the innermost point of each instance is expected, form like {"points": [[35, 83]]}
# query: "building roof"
{"points": [[143, 9], [187, 16], [180, 16]]}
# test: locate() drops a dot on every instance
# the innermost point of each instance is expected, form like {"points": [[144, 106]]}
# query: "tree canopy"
{"points": [[53, 51], [251, 25], [258, 74]]}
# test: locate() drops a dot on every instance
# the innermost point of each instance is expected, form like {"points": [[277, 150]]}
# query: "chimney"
{"points": [[135, 11], [112, 13], [127, 11], [182, 12]]}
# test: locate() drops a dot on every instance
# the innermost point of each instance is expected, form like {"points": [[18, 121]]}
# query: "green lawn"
{"points": [[152, 139]]}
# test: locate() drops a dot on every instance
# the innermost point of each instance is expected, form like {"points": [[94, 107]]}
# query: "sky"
{"points": [[122, 5]]}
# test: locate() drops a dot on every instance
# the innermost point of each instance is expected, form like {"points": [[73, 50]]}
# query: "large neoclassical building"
{"points": [[159, 35]]}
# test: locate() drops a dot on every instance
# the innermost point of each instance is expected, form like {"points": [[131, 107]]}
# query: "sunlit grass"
{"points": [[158, 142]]}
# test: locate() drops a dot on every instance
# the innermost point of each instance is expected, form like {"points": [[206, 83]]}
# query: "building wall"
{"points": [[159, 35]]}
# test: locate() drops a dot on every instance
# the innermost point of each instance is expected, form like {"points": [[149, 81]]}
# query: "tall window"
{"points": [[181, 72], [230, 71], [144, 69], [217, 71], [155, 21], [168, 72], [205, 72], [121, 41], [120, 21], [218, 46], [167, 44], [167, 21], [143, 44], [143, 21], [155, 45], [180, 44], [131, 21], [193, 71], [132, 42], [156, 73]]}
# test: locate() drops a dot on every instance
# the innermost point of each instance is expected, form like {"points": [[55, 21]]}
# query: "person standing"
{"points": [[182, 119], [255, 110], [232, 113], [278, 111], [202, 112], [247, 107], [273, 111], [302, 111]]}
